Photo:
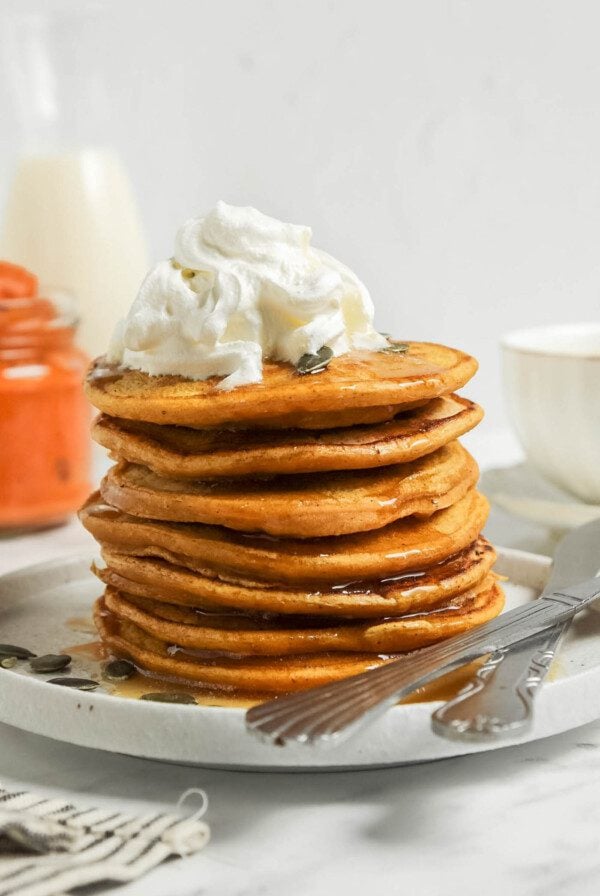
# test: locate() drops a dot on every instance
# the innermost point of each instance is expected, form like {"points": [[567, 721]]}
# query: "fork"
{"points": [[332, 711]]}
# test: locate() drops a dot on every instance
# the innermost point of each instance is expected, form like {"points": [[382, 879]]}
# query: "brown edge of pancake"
{"points": [[158, 579], [287, 453], [381, 636], [349, 503]]}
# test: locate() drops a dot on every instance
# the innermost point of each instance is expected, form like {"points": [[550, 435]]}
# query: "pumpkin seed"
{"points": [[395, 348], [8, 662], [78, 684], [21, 653], [118, 670], [50, 662], [164, 697], [314, 363]]}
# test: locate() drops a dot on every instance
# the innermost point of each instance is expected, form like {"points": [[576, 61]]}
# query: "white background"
{"points": [[448, 151]]}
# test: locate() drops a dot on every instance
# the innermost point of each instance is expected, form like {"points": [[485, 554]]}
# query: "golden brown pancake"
{"points": [[304, 506], [406, 545], [410, 593], [179, 452], [269, 674], [250, 674], [256, 636], [353, 381]]}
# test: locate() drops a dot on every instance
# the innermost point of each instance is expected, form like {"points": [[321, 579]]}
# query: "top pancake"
{"points": [[183, 453], [255, 635], [356, 382]]}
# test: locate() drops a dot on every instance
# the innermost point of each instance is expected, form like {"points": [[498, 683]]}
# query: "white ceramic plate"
{"points": [[37, 604], [522, 491]]}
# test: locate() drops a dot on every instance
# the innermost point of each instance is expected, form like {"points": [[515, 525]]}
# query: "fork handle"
{"points": [[335, 709], [498, 702]]}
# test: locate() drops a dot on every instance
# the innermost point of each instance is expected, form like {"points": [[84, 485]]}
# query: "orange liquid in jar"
{"points": [[44, 415]]}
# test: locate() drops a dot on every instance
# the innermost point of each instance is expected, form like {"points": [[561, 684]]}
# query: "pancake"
{"points": [[358, 380], [256, 636], [182, 453], [304, 506], [170, 583], [268, 674], [405, 545]]}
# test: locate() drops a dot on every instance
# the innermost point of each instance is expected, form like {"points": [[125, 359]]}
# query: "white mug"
{"points": [[552, 388]]}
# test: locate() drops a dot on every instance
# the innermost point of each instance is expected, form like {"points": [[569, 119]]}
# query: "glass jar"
{"points": [[44, 414]]}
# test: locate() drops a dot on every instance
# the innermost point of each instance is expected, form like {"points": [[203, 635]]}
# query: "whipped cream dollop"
{"points": [[242, 287]]}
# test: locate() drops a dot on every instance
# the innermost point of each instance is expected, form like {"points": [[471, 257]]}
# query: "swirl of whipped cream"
{"points": [[242, 287]]}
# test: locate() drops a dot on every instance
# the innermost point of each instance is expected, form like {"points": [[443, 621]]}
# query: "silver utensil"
{"points": [[330, 711], [498, 702]]}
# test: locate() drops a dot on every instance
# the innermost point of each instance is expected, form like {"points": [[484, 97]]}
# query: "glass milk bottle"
{"points": [[71, 214]]}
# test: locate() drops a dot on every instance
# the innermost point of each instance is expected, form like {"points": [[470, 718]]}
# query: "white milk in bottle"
{"points": [[70, 215], [71, 218]]}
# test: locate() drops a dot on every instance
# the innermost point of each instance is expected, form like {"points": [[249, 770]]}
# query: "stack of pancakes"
{"points": [[292, 532]]}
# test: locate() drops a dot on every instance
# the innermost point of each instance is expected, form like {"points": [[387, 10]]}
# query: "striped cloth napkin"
{"points": [[48, 847]]}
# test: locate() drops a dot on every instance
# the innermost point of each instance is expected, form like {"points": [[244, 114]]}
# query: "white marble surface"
{"points": [[521, 820]]}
